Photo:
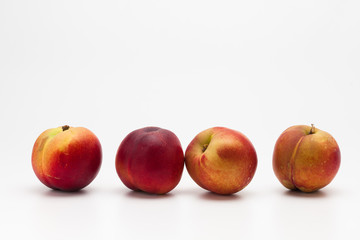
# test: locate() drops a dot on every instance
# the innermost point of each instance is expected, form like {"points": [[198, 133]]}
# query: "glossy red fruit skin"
{"points": [[151, 160]]}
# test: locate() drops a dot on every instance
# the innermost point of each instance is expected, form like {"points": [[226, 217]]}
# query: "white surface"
{"points": [[115, 66]]}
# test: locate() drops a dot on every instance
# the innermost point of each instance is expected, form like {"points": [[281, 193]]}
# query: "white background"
{"points": [[116, 66]]}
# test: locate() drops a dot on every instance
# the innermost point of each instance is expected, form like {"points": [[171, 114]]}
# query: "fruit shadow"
{"points": [[58, 193], [144, 195], [218, 197], [300, 194]]}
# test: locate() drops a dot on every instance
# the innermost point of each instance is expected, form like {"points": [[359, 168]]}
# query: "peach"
{"points": [[221, 160], [151, 160], [66, 158], [305, 158]]}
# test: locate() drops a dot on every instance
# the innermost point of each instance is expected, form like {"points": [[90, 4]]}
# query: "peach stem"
{"points": [[205, 147], [64, 128], [312, 130]]}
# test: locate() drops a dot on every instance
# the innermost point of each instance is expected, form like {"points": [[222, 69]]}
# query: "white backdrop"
{"points": [[115, 66]]}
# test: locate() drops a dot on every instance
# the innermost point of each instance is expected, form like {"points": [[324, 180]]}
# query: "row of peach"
{"points": [[218, 159]]}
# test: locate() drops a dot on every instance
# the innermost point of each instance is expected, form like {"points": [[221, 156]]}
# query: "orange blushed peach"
{"points": [[305, 158]]}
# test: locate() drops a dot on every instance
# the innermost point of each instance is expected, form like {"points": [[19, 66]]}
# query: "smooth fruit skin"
{"points": [[305, 159], [151, 160], [221, 160], [66, 158]]}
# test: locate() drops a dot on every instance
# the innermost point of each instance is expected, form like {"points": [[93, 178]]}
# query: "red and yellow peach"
{"points": [[221, 160], [66, 158]]}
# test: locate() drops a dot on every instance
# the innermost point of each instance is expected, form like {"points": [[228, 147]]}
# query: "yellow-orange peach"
{"points": [[221, 160], [305, 158]]}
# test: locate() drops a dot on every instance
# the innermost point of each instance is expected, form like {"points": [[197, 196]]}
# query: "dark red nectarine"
{"points": [[151, 160]]}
